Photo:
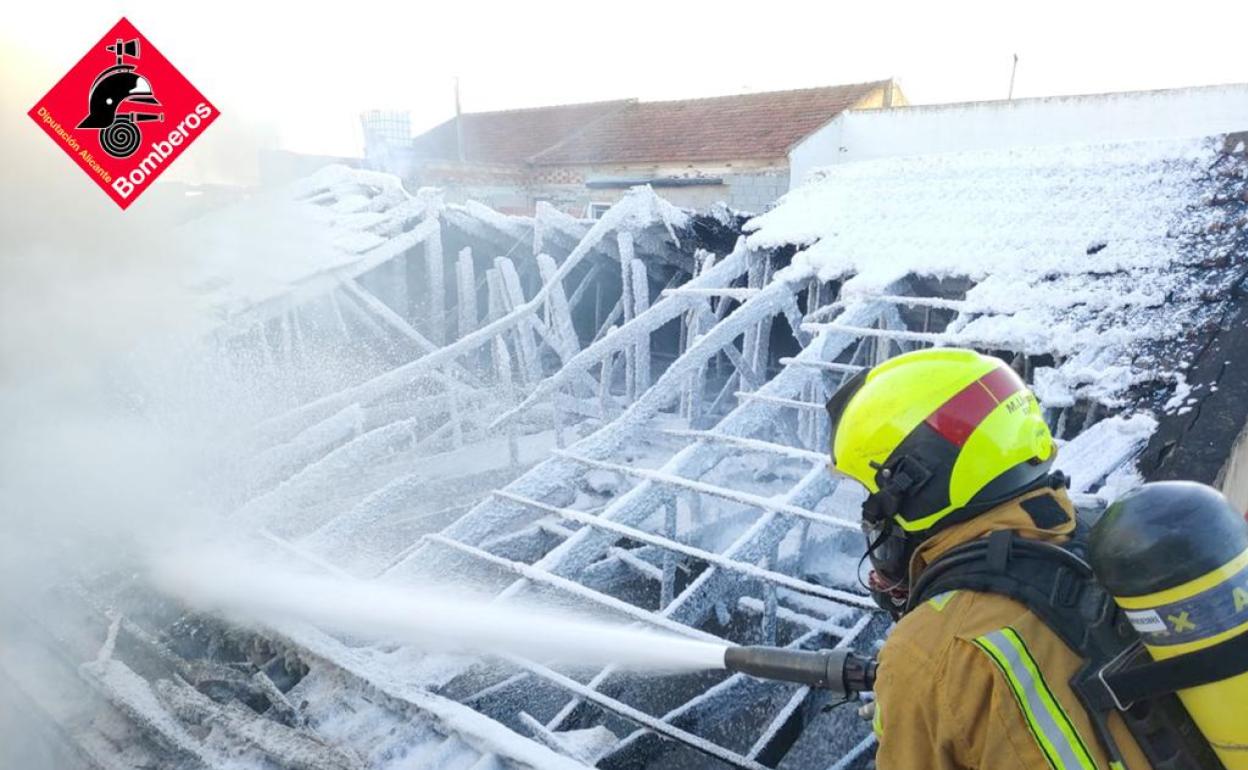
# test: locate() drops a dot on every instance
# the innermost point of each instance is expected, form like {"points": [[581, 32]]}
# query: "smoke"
{"points": [[81, 286], [89, 477]]}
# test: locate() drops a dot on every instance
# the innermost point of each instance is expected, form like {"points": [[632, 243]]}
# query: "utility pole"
{"points": [[1009, 96], [459, 121]]}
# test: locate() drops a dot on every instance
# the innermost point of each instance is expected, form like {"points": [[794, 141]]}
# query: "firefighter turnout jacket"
{"points": [[974, 680]]}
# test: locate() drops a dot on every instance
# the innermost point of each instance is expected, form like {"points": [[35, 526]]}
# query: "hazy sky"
{"points": [[298, 75]]}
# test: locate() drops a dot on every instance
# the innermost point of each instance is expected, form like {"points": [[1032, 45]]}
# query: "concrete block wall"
{"points": [[750, 186], [756, 192]]}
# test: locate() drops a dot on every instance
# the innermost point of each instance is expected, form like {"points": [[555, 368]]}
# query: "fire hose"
{"points": [[839, 671]]}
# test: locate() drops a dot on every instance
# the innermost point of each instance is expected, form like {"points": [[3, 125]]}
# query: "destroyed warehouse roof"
{"points": [[1118, 267], [609, 424], [759, 125]]}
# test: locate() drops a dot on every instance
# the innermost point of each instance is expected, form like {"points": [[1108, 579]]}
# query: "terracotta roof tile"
{"points": [[761, 125], [511, 136]]}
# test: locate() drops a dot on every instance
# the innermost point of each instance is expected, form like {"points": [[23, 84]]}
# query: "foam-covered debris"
{"points": [[1098, 255]]}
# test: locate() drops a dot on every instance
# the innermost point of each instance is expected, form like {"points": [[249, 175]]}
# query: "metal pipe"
{"points": [[840, 671]]}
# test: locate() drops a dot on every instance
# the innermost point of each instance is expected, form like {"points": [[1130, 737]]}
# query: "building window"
{"points": [[596, 210]]}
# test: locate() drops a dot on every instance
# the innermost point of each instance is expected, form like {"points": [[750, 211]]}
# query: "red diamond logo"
{"points": [[123, 113]]}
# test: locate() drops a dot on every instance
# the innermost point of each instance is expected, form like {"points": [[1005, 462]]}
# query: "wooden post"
{"points": [[641, 303], [502, 371], [526, 350], [437, 287], [697, 380], [762, 345], [457, 428], [496, 305], [749, 346], [687, 321], [496, 308], [465, 274], [667, 590], [558, 314], [625, 241], [605, 373], [559, 321]]}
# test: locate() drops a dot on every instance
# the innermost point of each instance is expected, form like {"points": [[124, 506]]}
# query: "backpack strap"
{"points": [[1134, 677], [1051, 581]]}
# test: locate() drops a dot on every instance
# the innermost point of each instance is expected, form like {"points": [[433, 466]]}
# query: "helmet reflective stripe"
{"points": [[1054, 732], [957, 418], [893, 399], [956, 421]]}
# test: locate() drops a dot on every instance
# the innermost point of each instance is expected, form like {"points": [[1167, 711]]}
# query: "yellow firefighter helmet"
{"points": [[937, 436]]}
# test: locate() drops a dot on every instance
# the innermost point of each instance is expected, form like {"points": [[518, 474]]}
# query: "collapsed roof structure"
{"points": [[625, 417]]}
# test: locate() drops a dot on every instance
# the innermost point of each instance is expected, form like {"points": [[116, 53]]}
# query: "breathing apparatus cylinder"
{"points": [[1174, 555]]}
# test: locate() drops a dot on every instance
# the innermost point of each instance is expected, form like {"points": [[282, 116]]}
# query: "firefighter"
{"points": [[952, 447]]}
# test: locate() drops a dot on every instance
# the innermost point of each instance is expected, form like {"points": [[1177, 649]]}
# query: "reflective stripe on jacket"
{"points": [[975, 680]]}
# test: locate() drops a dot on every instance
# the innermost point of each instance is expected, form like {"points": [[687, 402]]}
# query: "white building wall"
{"points": [[752, 192], [922, 130]]}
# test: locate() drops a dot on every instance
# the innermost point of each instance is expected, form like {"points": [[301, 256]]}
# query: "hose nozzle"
{"points": [[839, 671]]}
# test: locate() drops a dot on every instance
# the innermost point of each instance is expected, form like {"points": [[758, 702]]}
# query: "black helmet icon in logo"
{"points": [[120, 85]]}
